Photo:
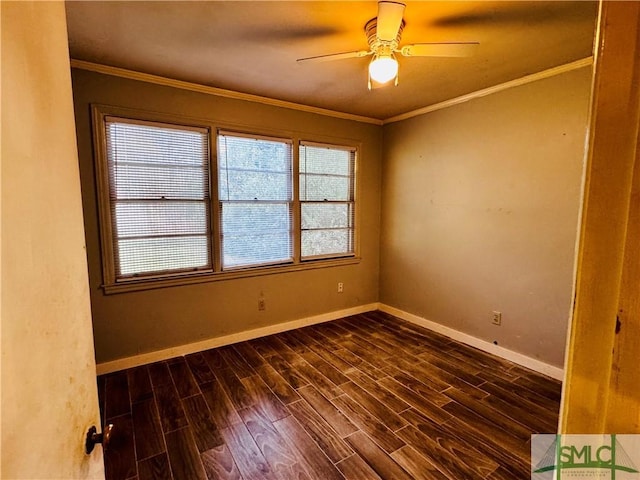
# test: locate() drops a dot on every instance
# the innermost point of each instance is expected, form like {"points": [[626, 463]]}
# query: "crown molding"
{"points": [[220, 92], [534, 77]]}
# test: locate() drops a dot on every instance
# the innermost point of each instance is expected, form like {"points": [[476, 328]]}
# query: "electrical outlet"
{"points": [[340, 287], [496, 318], [262, 304]]}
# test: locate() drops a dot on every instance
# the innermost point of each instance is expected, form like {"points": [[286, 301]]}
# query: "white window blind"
{"points": [[159, 197], [326, 200], [255, 193]]}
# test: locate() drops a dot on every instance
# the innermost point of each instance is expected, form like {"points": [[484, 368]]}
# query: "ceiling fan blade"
{"points": [[334, 56], [458, 49], [389, 19]]}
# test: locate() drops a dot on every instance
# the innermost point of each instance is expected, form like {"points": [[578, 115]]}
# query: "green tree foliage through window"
{"points": [[164, 221], [254, 187], [327, 200]]}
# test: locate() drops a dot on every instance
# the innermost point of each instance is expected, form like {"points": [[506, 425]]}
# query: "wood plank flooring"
{"points": [[365, 397]]}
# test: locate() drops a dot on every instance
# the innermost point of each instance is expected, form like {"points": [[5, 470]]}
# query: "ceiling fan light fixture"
{"points": [[384, 34], [383, 68]]}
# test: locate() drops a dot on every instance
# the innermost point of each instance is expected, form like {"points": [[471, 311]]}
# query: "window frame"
{"points": [[113, 285], [290, 202], [113, 202], [352, 201]]}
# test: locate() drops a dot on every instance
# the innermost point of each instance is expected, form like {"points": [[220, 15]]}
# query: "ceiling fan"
{"points": [[383, 35]]}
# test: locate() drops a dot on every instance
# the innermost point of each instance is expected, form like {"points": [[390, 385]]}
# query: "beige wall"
{"points": [[49, 393], [480, 211], [479, 207], [127, 324]]}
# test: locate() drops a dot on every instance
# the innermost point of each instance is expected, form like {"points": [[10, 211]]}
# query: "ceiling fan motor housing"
{"points": [[381, 47]]}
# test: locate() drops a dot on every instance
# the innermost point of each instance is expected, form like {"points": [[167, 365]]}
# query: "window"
{"points": [[171, 213], [326, 200], [254, 178], [158, 197]]}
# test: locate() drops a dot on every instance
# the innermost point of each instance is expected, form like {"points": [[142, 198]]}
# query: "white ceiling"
{"points": [[252, 47]]}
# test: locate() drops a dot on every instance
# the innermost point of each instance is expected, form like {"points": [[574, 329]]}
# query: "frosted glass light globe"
{"points": [[383, 69]]}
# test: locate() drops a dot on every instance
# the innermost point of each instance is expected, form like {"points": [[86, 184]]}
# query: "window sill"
{"points": [[138, 284]]}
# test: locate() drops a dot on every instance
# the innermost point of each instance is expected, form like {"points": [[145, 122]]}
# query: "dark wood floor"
{"points": [[365, 397]]}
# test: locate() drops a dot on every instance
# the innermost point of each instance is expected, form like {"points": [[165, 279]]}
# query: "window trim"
{"points": [[207, 201], [111, 285], [354, 194], [290, 203]]}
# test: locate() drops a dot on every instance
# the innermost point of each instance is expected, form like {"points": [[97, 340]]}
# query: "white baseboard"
{"points": [[167, 353], [519, 358]]}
